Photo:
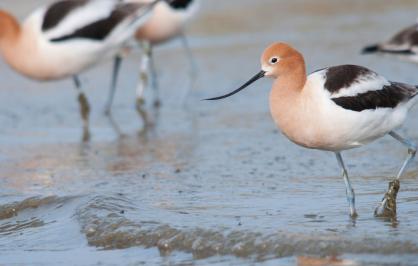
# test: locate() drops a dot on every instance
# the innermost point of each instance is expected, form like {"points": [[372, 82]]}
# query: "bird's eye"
{"points": [[274, 60]]}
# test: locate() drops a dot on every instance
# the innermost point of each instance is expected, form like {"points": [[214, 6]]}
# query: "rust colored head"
{"points": [[280, 59]]}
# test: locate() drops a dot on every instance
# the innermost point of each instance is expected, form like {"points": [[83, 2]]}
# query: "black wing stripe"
{"points": [[376, 48], [400, 52], [389, 96], [58, 11], [406, 39], [100, 29], [344, 76]]}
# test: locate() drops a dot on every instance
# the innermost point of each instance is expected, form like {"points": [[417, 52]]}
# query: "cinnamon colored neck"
{"points": [[291, 82], [287, 100]]}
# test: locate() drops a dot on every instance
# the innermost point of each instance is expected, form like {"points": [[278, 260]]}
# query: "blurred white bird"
{"points": [[167, 22], [69, 36], [403, 44]]}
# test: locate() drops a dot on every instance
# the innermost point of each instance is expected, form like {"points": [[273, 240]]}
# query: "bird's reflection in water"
{"points": [[51, 165], [152, 144], [149, 120]]}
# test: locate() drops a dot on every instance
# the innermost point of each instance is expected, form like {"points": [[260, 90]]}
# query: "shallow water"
{"points": [[212, 183]]}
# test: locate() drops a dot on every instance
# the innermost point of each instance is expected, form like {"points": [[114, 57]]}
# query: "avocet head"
{"points": [[277, 60]]}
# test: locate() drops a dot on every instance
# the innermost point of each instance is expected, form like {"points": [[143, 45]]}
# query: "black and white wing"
{"points": [[94, 20], [404, 42], [357, 88]]}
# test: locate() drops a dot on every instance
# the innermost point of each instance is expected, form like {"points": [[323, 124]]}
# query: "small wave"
{"points": [[108, 227], [10, 210], [20, 215]]}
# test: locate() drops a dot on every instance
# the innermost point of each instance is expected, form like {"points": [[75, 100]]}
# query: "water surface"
{"points": [[212, 183]]}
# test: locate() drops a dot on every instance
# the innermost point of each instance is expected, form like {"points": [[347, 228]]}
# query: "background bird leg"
{"points": [[154, 78], [84, 108], [116, 67], [193, 71], [143, 82]]}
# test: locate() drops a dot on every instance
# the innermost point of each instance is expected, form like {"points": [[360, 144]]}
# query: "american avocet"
{"points": [[167, 22], [335, 109], [403, 44], [65, 38]]}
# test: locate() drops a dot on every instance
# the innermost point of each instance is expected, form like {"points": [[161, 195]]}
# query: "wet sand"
{"points": [[212, 183]]}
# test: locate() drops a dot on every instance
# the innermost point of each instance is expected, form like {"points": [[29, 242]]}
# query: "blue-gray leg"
{"points": [[351, 198], [412, 150], [116, 66], [387, 207]]}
